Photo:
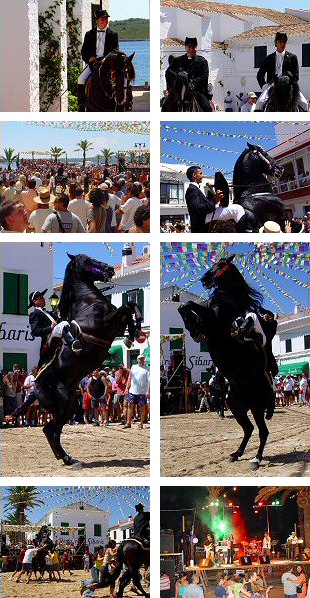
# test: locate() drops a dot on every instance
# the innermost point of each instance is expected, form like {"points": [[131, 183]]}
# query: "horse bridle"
{"points": [[113, 83]]}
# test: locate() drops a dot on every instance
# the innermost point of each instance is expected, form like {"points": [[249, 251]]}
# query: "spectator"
{"points": [[80, 206], [61, 220]]}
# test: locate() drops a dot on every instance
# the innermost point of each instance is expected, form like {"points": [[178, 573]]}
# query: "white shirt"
{"points": [[139, 380], [129, 208], [29, 554], [80, 207], [29, 382], [114, 202], [279, 62], [288, 586], [100, 42], [247, 107], [38, 217]]}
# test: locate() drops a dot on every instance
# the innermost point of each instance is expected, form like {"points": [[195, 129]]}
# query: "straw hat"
{"points": [[270, 227], [44, 196]]}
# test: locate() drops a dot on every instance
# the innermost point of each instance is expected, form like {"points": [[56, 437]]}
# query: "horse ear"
{"points": [[72, 257], [131, 56], [231, 258], [250, 145]]}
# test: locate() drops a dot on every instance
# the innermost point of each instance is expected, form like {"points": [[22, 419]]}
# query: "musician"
{"points": [[266, 544], [98, 43], [47, 325], [230, 551], [209, 546], [292, 542]]}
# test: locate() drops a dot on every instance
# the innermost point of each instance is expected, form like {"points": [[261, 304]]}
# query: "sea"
{"points": [[141, 60]]}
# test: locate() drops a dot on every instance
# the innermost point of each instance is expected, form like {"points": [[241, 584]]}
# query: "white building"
{"points": [[197, 356], [25, 267], [235, 40], [121, 531], [84, 523], [291, 345], [20, 49], [294, 155]]}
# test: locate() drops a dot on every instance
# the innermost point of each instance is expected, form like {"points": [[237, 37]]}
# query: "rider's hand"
{"points": [[92, 59], [287, 227], [191, 85], [219, 197]]}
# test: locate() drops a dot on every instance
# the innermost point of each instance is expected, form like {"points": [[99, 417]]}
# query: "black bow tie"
{"points": [[101, 30]]}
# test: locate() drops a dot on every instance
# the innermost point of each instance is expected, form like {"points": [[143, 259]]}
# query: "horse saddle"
{"points": [[144, 543], [220, 226]]}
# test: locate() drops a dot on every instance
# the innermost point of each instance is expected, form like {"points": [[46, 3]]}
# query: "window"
{"points": [[260, 53], [135, 296], [64, 524], [97, 529], [81, 532], [204, 347], [124, 534], [307, 341], [114, 535], [205, 376], [10, 358], [15, 293], [178, 343], [288, 345], [171, 193], [305, 60]]}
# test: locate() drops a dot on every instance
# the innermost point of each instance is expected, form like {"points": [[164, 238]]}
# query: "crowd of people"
{"points": [[43, 196], [106, 396]]}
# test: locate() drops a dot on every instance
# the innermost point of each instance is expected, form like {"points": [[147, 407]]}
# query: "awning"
{"points": [[115, 356], [294, 368], [147, 354]]}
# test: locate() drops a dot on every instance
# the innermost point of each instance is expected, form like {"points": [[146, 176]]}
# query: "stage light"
{"points": [[222, 526]]}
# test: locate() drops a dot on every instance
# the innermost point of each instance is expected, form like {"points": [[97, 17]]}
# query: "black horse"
{"points": [[98, 322], [243, 364], [44, 544], [109, 88], [252, 189], [284, 96], [182, 97], [133, 555]]}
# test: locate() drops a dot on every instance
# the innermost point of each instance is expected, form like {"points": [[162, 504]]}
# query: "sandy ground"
{"points": [[109, 451], [199, 444], [68, 587]]}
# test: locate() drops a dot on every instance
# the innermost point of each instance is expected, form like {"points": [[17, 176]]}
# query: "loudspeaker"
{"points": [[166, 542], [168, 565], [246, 560], [264, 559]]}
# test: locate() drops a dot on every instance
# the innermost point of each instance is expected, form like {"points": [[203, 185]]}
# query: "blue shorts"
{"points": [[137, 399]]}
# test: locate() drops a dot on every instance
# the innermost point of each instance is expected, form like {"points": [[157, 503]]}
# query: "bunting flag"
{"points": [[199, 145], [280, 270], [206, 133], [140, 127], [187, 161]]}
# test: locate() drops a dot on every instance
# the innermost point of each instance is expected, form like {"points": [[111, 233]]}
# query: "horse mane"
{"points": [[244, 295], [66, 297], [114, 55], [285, 94], [247, 175]]}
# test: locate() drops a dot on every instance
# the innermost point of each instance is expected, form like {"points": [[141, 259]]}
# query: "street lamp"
{"points": [[54, 301], [140, 145]]}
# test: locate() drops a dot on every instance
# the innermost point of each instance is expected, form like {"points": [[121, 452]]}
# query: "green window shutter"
{"points": [[178, 343], [64, 524], [124, 299], [141, 301], [23, 294], [204, 347], [10, 293], [81, 532], [10, 358], [205, 376], [97, 529]]}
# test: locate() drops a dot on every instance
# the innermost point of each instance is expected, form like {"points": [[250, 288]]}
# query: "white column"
{"points": [[19, 56], [60, 103]]}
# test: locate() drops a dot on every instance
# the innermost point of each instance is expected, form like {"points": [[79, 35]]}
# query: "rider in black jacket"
{"points": [[141, 524]]}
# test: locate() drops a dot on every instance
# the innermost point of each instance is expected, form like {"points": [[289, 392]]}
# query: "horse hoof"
{"points": [[233, 457], [254, 464], [76, 464], [269, 413]]}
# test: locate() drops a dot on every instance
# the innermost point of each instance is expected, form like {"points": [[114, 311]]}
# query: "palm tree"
{"points": [[21, 499], [107, 155], [132, 157], [146, 156], [56, 152], [85, 146], [9, 156]]}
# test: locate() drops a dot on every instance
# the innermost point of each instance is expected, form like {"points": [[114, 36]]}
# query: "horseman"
{"points": [[274, 65], [197, 69], [141, 525], [98, 43], [47, 325]]}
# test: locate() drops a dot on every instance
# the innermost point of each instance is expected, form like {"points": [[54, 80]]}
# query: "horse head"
{"points": [[122, 72], [90, 269], [264, 161], [180, 87], [219, 274], [285, 94]]}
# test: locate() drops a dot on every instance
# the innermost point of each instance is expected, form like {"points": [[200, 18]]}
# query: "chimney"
{"points": [[129, 254]]}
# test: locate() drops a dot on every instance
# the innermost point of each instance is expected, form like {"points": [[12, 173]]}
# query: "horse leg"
{"points": [[137, 582], [241, 417], [192, 321], [263, 435], [123, 582], [53, 429]]}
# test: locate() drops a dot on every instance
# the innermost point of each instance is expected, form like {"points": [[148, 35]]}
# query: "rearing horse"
{"points": [[98, 323], [242, 363], [133, 555], [109, 88]]}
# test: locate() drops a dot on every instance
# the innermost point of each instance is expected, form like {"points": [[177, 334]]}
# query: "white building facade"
{"points": [[121, 531], [83, 522], [20, 49], [291, 345], [234, 40], [25, 267]]}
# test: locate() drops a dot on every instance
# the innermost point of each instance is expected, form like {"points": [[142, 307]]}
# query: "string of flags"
{"points": [[137, 126]]}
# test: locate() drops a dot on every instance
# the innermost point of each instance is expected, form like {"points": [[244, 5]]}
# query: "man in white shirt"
{"points": [[250, 104], [80, 206], [289, 584], [114, 203], [61, 220], [138, 387], [38, 217]]}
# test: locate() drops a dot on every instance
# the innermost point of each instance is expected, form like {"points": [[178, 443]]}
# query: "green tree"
{"points": [[107, 155], [85, 146], [21, 499], [132, 157], [9, 156], [56, 152], [146, 156]]}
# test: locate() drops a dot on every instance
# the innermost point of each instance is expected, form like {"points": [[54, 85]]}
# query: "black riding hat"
{"points": [[139, 507], [191, 41], [101, 13], [280, 36], [35, 295]]}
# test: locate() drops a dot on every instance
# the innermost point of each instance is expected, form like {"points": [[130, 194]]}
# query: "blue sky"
{"points": [[218, 156], [27, 137], [275, 5], [100, 251], [120, 500], [121, 10], [275, 276]]}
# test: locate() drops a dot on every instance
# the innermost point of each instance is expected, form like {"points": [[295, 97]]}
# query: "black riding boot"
{"points": [[243, 226], [73, 343], [81, 98]]}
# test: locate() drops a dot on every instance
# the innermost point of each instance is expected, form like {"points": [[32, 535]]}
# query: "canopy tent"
{"points": [[294, 368], [147, 354], [115, 356]]}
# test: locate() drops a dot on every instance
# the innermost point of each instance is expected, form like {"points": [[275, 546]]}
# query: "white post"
{"points": [[60, 103], [19, 72]]}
